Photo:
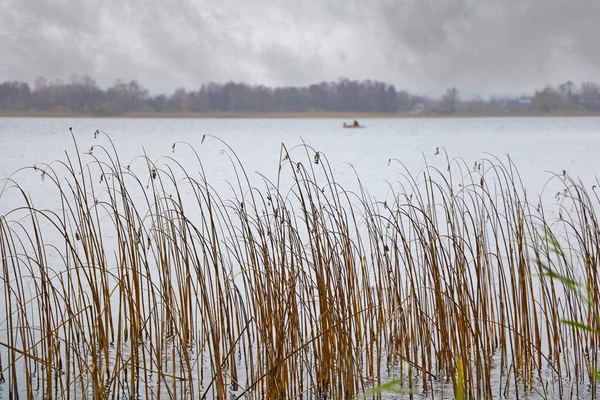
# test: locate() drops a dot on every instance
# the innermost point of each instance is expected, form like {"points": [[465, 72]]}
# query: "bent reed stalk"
{"points": [[145, 282]]}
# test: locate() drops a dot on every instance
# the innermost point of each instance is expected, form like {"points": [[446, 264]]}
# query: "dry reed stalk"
{"points": [[148, 283]]}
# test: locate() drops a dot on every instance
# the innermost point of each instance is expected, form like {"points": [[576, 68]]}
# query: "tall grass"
{"points": [[146, 282]]}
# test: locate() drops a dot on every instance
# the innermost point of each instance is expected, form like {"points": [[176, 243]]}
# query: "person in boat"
{"points": [[355, 124]]}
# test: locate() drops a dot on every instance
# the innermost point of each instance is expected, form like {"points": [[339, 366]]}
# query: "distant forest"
{"points": [[81, 94]]}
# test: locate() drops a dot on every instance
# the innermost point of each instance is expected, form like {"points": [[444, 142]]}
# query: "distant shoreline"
{"points": [[291, 115]]}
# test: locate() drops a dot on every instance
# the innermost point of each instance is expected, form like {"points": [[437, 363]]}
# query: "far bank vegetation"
{"points": [[82, 95]]}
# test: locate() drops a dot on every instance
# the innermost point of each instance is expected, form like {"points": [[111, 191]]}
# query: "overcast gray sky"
{"points": [[480, 46]]}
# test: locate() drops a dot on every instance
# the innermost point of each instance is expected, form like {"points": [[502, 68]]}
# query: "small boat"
{"points": [[353, 125]]}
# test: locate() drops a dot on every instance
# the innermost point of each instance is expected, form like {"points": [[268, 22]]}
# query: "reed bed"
{"points": [[146, 282]]}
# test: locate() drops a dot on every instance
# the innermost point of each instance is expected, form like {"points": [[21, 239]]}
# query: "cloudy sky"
{"points": [[480, 46]]}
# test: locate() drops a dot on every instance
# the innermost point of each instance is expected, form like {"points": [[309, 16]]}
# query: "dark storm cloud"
{"points": [[423, 45], [44, 37], [161, 44], [497, 46]]}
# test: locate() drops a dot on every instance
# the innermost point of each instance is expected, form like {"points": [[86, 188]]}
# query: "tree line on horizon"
{"points": [[81, 94]]}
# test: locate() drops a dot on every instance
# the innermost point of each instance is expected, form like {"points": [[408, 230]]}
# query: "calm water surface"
{"points": [[538, 146]]}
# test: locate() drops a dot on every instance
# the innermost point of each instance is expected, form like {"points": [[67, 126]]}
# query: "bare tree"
{"points": [[590, 96], [40, 83], [450, 100], [546, 100], [566, 91]]}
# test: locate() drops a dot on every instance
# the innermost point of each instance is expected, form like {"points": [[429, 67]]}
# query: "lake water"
{"points": [[376, 155], [538, 146]]}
